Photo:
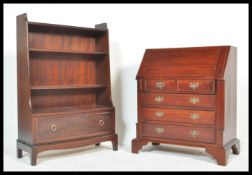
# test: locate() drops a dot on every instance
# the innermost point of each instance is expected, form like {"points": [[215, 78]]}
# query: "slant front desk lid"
{"points": [[203, 62]]}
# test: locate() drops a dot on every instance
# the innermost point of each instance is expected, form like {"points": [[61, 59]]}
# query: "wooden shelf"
{"points": [[67, 51], [95, 86], [70, 109], [37, 26]]}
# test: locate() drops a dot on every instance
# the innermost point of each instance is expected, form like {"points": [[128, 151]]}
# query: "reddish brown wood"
{"points": [[221, 154], [159, 85], [25, 127], [137, 145], [201, 86], [165, 114], [179, 132], [179, 116], [64, 93], [71, 126], [179, 100]]}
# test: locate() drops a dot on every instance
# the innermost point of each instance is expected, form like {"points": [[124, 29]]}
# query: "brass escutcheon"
{"points": [[194, 133], [53, 128], [159, 130], [194, 85], [160, 84], [159, 114], [159, 99], [101, 122], [194, 100], [194, 116]]}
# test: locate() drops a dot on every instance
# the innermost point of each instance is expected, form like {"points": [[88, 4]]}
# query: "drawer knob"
{"points": [[101, 122], [194, 133], [194, 116], [53, 128], [160, 84], [194, 85], [159, 114], [159, 99], [159, 130], [194, 100]]}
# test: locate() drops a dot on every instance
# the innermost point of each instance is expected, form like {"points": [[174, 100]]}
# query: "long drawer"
{"points": [[71, 126], [177, 132], [179, 115], [179, 100]]}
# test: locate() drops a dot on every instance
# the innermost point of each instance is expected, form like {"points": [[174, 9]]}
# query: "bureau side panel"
{"points": [[230, 96], [24, 108]]}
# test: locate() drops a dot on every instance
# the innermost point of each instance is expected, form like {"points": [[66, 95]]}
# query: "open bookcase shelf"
{"points": [[67, 52], [64, 91], [95, 86]]}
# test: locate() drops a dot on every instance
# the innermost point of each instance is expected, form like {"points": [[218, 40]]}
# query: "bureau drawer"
{"points": [[179, 115], [72, 126], [159, 85], [199, 86], [179, 100], [176, 132]]}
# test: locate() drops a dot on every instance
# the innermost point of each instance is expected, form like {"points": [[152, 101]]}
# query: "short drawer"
{"points": [[177, 132], [71, 126], [198, 86], [178, 115], [159, 85], [179, 100]]}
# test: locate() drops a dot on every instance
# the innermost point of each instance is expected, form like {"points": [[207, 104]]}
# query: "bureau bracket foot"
{"points": [[137, 145], [154, 143], [115, 142], [97, 144], [221, 154], [236, 148]]}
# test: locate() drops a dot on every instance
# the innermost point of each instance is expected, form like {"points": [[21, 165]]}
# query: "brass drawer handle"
{"points": [[53, 128], [159, 114], [160, 84], [101, 122], [159, 99], [159, 130], [194, 100], [194, 116], [194, 85], [194, 133]]}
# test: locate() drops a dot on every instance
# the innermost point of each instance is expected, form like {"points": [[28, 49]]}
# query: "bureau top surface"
{"points": [[208, 62]]}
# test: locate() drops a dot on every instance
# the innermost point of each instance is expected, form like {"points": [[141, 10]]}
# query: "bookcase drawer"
{"points": [[72, 126]]}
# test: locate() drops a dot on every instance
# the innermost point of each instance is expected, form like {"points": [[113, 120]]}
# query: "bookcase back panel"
{"points": [[63, 98], [61, 40], [62, 69]]}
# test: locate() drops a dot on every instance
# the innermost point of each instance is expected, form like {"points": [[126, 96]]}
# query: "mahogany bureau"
{"points": [[187, 96], [64, 94]]}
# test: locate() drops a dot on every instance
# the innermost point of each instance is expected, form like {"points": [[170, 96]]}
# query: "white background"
{"points": [[133, 28]]}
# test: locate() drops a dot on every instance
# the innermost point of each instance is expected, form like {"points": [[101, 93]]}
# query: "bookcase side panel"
{"points": [[23, 81]]}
